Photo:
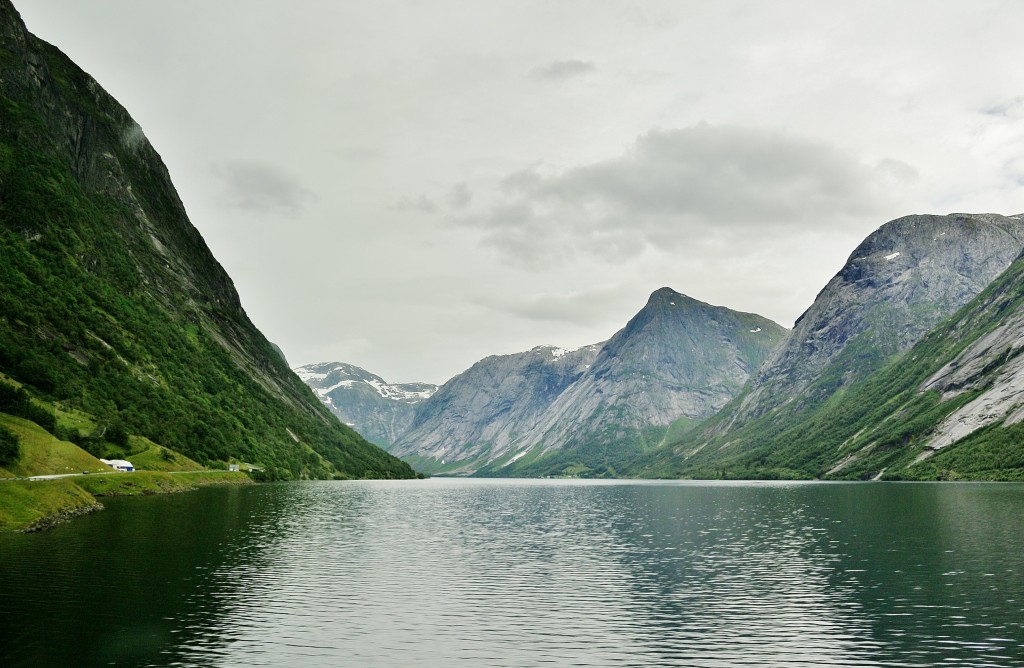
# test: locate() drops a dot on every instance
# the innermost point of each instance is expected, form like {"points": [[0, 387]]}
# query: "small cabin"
{"points": [[119, 464], [234, 467]]}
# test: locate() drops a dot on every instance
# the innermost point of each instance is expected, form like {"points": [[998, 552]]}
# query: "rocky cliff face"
{"points": [[378, 410], [897, 285], [678, 359], [112, 301], [952, 407], [483, 413], [913, 332], [989, 371]]}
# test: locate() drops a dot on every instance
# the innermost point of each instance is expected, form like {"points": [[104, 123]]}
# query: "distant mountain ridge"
{"points": [[548, 410], [378, 410], [484, 412], [676, 362]]}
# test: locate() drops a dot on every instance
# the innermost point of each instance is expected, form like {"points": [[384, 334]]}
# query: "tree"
{"points": [[10, 447]]}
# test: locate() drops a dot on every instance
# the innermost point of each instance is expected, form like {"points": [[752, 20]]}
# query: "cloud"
{"points": [[703, 185], [460, 196], [589, 307], [561, 70], [898, 171], [261, 187], [1011, 108], [421, 204]]}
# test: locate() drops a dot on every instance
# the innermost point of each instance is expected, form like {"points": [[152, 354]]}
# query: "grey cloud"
{"points": [[676, 186], [591, 307], [421, 204], [262, 187], [460, 196], [1005, 108], [898, 170], [560, 70], [359, 155], [524, 180]]}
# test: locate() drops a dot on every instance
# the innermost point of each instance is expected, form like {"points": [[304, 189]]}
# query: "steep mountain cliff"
{"points": [[899, 284], [676, 362], [950, 408], [378, 410], [585, 412], [483, 413], [112, 302]]}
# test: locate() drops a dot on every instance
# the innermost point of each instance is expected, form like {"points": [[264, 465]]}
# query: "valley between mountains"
{"points": [[122, 336], [906, 366]]}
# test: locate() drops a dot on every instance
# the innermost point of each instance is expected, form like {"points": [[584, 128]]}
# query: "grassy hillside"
{"points": [[44, 454], [37, 504], [113, 305]]}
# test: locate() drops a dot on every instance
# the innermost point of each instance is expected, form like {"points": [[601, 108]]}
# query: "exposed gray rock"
{"points": [[993, 364], [677, 358], [897, 285], [484, 412]]}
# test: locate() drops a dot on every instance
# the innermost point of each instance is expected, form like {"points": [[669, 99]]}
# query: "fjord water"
{"points": [[526, 573]]}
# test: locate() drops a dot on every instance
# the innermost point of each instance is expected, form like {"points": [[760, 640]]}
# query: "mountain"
{"points": [[378, 410], [113, 305], [549, 411], [483, 413], [897, 286]]}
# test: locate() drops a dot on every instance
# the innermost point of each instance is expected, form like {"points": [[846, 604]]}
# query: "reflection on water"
{"points": [[526, 573]]}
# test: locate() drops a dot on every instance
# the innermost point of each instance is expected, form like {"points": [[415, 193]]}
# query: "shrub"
{"points": [[10, 448]]}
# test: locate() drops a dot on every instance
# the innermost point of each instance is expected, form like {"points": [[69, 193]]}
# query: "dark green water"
{"points": [[526, 573]]}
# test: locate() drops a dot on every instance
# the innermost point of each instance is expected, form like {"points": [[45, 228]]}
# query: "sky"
{"points": [[413, 185]]}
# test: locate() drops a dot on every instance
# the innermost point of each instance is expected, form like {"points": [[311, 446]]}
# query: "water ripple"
{"points": [[555, 573]]}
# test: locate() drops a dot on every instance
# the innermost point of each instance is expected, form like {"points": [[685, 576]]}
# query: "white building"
{"points": [[119, 464]]}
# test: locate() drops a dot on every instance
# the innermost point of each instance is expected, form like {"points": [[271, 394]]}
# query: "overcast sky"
{"points": [[412, 185]]}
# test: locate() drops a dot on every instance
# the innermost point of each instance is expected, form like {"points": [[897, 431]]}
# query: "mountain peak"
{"points": [[665, 295], [667, 298]]}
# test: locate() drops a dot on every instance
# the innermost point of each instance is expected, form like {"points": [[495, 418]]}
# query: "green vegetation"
{"points": [[876, 427], [608, 454], [148, 456], [44, 454], [139, 483], [36, 504], [10, 447], [120, 331], [28, 504]]}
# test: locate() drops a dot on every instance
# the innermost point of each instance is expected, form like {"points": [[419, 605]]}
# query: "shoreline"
{"points": [[36, 505]]}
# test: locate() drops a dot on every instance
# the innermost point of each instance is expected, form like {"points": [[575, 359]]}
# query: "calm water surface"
{"points": [[526, 573]]}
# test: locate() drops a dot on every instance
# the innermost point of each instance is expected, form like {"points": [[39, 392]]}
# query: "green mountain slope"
{"points": [[112, 303], [949, 408]]}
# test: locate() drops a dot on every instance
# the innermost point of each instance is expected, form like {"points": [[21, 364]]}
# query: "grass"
{"points": [[36, 504], [139, 483], [148, 456], [43, 454], [28, 503]]}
